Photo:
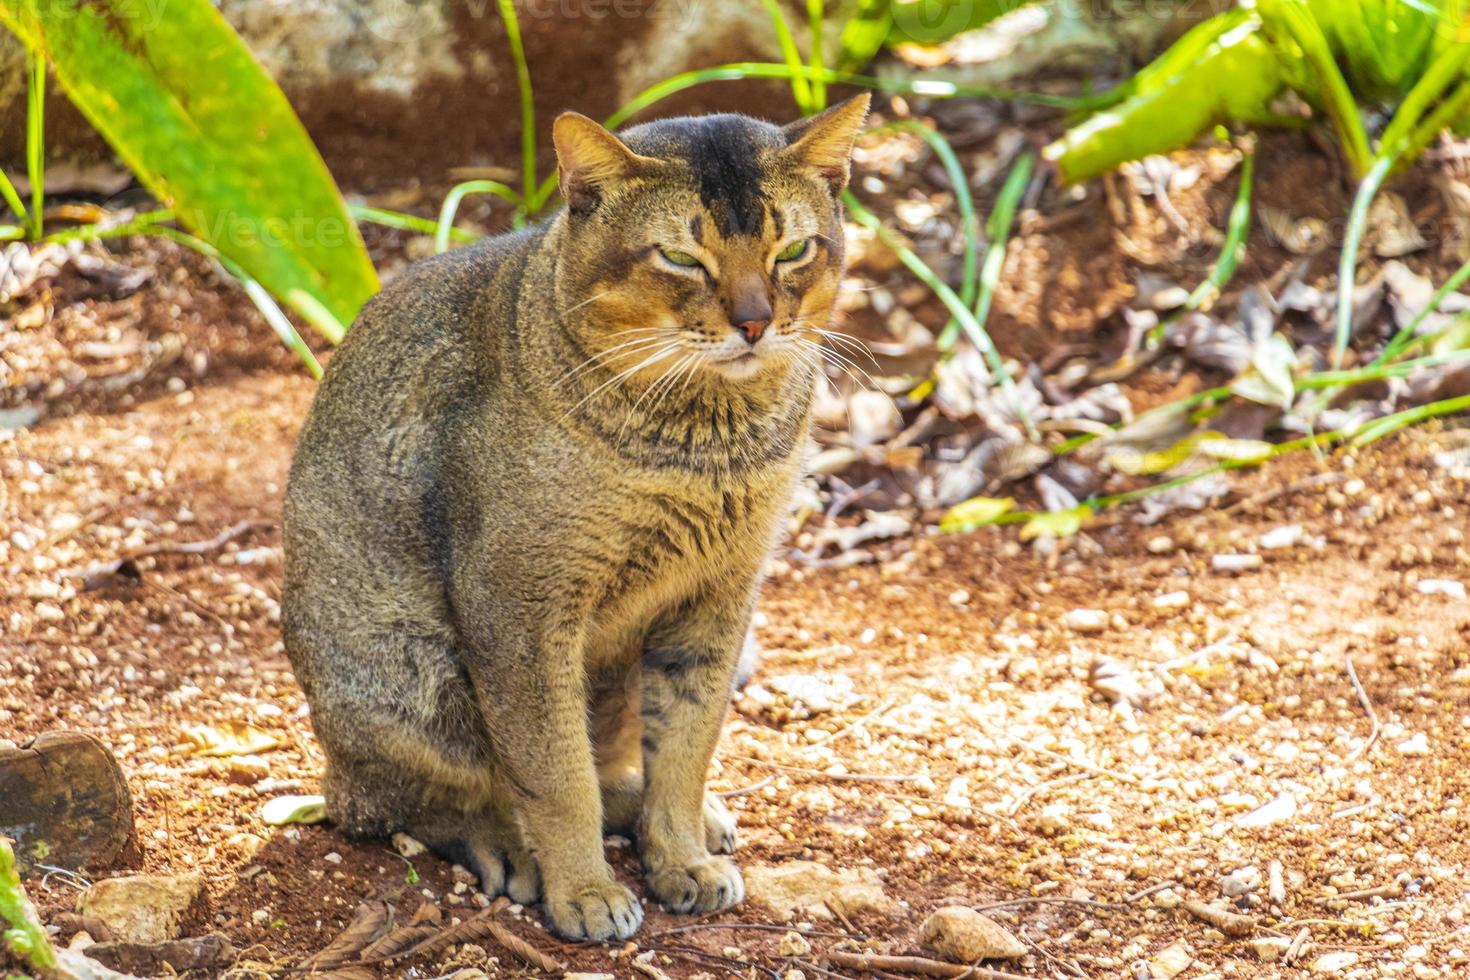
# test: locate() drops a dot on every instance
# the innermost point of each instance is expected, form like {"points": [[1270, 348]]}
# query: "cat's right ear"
{"points": [[590, 160]]}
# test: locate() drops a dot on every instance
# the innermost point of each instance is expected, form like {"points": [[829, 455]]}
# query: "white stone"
{"points": [[1447, 587], [1285, 536], [1334, 962], [1085, 620], [1416, 745]]}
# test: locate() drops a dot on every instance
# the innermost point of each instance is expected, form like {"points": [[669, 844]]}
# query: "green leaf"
{"points": [[1222, 70], [975, 513], [190, 111], [1138, 461], [1217, 445], [1057, 524]]}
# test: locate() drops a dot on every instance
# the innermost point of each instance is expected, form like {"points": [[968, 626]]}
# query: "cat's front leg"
{"points": [[531, 686], [686, 671]]}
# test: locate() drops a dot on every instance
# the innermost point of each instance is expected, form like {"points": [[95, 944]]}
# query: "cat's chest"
{"points": [[673, 545]]}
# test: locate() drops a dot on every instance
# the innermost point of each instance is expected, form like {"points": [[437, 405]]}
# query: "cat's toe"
{"points": [[599, 911], [704, 886], [524, 884], [720, 836]]}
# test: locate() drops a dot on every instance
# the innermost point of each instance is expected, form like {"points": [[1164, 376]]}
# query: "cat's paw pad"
{"points": [[598, 910], [704, 886], [719, 827]]}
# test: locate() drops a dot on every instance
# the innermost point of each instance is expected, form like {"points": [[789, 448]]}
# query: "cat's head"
{"points": [[710, 246]]}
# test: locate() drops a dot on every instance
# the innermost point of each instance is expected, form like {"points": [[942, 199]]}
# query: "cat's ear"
{"points": [[590, 160], [823, 143]]}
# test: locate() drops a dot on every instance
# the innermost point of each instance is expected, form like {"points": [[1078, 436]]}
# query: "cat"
{"points": [[528, 509]]}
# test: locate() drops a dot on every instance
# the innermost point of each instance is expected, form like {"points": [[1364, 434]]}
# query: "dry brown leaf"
{"points": [[230, 738], [371, 919]]}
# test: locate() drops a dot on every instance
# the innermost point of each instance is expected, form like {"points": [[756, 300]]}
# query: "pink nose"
{"points": [[752, 329]]}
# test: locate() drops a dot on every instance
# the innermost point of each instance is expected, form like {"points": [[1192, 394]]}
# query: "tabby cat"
{"points": [[526, 517]]}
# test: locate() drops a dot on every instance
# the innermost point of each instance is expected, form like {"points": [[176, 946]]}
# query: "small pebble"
{"points": [[1285, 536], [1085, 620], [1334, 962], [1449, 588], [1236, 563], [1416, 745]]}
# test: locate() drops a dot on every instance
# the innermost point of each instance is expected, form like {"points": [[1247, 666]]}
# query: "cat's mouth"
{"points": [[740, 365]]}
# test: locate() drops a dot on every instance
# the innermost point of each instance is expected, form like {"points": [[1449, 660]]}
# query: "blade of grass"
{"points": [[11, 233], [36, 139], [406, 222], [1390, 424], [1295, 20], [801, 89], [12, 199], [457, 194], [528, 105], [964, 201], [972, 326], [1347, 267], [997, 239], [136, 225], [1223, 269], [819, 84]]}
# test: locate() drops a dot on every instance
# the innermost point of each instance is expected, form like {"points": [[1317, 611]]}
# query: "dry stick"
{"points": [[1030, 792], [873, 962], [1086, 903], [857, 723], [1352, 673], [1151, 890], [752, 788], [1227, 922], [754, 926]]}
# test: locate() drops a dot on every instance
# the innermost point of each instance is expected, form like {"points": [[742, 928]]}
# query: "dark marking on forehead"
{"points": [[696, 228], [723, 154]]}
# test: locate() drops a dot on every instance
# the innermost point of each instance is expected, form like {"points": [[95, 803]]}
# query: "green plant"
{"points": [[22, 932], [221, 149]]}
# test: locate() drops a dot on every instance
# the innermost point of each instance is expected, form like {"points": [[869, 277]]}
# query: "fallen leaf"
{"points": [[231, 738], [975, 513]]}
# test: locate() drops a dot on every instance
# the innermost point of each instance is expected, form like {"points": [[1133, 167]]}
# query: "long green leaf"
{"points": [[191, 112]]}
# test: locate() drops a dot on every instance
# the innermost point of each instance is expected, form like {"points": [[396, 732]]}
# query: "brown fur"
{"points": [[526, 516]]}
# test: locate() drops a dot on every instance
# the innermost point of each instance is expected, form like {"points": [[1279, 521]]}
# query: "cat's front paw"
{"points": [[596, 910], [703, 886]]}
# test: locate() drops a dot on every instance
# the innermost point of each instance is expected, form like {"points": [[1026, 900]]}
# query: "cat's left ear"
{"points": [[823, 143], [591, 160]]}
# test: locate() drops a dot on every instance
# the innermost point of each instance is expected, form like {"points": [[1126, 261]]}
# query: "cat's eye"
{"points": [[793, 251], [683, 259]]}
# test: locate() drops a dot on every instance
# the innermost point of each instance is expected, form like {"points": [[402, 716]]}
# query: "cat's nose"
{"points": [[751, 330]]}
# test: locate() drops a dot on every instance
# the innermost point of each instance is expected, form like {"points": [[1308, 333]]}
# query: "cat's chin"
{"points": [[741, 367]]}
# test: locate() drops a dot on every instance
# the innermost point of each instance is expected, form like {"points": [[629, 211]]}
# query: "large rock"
{"points": [[143, 908], [807, 888]]}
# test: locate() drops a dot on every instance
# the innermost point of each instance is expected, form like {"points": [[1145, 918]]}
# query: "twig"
{"points": [[857, 723], [1227, 922], [809, 965], [1151, 890], [1030, 792], [1391, 890], [873, 962], [856, 777], [752, 788], [1061, 964], [1352, 673], [755, 926], [1086, 903]]}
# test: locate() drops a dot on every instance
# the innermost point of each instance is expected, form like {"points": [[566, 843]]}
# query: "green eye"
{"points": [[793, 251], [679, 258]]}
